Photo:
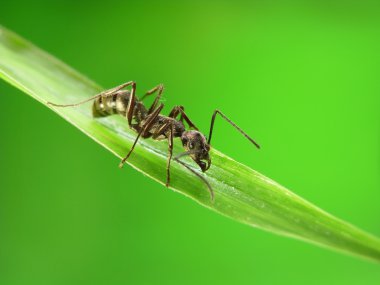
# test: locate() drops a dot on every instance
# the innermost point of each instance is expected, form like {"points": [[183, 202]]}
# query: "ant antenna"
{"points": [[232, 124], [194, 172], [104, 94], [77, 104]]}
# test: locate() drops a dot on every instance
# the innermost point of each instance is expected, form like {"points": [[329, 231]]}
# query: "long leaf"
{"points": [[240, 192]]}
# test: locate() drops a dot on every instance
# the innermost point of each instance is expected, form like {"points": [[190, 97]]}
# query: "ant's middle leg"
{"points": [[170, 154], [168, 124], [152, 91], [148, 125], [175, 111], [181, 110]]}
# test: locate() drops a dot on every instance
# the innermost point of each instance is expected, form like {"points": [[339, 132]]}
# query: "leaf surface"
{"points": [[240, 192]]}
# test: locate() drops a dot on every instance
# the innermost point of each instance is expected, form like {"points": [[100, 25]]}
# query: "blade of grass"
{"points": [[240, 192]]}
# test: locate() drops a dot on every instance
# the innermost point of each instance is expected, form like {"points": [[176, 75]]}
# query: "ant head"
{"points": [[196, 145]]}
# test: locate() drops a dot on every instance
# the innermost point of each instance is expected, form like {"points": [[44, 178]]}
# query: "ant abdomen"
{"points": [[110, 105]]}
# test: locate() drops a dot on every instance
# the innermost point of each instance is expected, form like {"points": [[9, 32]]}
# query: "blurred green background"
{"points": [[303, 80]]}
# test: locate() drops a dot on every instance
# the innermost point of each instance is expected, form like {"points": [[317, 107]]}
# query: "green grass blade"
{"points": [[240, 192]]}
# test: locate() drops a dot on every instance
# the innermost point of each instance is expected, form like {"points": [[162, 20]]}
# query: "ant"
{"points": [[150, 123]]}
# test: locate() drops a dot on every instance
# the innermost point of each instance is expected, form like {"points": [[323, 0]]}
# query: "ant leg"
{"points": [[106, 93], [152, 91], [174, 112], [160, 89], [170, 154], [161, 131], [142, 131], [180, 110], [118, 88], [131, 103], [232, 123]]}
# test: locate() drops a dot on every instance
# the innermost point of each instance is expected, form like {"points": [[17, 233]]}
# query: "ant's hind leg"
{"points": [[159, 88], [152, 91], [112, 91]]}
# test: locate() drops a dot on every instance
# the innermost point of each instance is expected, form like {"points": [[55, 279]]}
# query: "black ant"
{"points": [[150, 123]]}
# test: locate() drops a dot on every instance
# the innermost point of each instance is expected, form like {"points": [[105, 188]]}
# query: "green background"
{"points": [[303, 80]]}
